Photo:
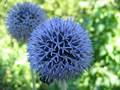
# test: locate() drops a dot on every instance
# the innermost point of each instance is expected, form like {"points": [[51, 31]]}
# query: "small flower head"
{"points": [[59, 49], [23, 18]]}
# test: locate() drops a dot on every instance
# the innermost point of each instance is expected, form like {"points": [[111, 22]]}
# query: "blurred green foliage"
{"points": [[102, 20]]}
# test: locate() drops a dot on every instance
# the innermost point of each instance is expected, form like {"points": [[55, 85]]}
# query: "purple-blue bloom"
{"points": [[59, 49], [23, 18]]}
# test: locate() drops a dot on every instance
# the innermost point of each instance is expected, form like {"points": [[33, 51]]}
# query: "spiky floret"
{"points": [[59, 49], [23, 18]]}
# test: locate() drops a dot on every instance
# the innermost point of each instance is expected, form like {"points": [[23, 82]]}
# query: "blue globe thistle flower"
{"points": [[23, 18], [59, 49]]}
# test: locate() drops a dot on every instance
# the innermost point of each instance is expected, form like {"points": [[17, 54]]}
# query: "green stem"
{"points": [[63, 85], [33, 79]]}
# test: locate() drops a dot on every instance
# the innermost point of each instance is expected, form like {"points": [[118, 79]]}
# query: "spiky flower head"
{"points": [[59, 49], [23, 18]]}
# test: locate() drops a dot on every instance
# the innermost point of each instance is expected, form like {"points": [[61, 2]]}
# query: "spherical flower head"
{"points": [[59, 49], [23, 18]]}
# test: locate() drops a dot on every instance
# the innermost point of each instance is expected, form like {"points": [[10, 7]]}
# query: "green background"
{"points": [[101, 18]]}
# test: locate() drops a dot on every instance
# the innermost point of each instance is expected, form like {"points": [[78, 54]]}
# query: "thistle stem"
{"points": [[63, 85], [33, 79]]}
